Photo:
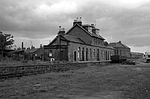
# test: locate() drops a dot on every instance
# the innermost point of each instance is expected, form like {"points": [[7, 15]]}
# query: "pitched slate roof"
{"points": [[118, 45], [91, 34], [31, 50], [73, 39], [76, 39], [68, 38], [98, 36]]}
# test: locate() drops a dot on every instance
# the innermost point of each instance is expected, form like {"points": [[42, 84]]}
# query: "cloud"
{"points": [[130, 24], [126, 3], [29, 18], [125, 20], [57, 8]]}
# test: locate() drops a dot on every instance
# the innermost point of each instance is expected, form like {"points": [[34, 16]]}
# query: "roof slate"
{"points": [[73, 39], [92, 34]]}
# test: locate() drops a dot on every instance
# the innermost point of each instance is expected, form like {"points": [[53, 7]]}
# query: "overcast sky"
{"points": [[37, 21]]}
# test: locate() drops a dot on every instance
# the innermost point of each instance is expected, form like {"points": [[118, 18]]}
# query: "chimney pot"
{"points": [[61, 31], [93, 25], [22, 45], [77, 21]]}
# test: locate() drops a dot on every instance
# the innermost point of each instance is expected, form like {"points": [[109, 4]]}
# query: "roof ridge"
{"points": [[91, 34], [120, 44], [125, 45]]}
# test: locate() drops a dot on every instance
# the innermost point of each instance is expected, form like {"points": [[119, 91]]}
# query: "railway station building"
{"points": [[81, 43]]}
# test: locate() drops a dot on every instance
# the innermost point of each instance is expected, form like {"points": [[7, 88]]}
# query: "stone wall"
{"points": [[92, 53], [18, 71]]}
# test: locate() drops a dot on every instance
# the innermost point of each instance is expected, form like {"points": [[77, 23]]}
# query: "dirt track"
{"points": [[92, 82]]}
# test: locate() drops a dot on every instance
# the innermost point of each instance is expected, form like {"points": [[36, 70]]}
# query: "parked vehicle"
{"points": [[147, 57]]}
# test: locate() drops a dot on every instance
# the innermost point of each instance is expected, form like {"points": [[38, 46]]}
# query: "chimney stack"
{"points": [[61, 31], [93, 26], [41, 46], [78, 21], [22, 46], [1, 33]]}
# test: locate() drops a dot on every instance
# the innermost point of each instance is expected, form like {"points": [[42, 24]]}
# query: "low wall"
{"points": [[18, 71]]}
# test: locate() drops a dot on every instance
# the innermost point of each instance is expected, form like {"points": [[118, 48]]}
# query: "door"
{"points": [[75, 56]]}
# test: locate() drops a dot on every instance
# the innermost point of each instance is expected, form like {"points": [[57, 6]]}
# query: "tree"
{"points": [[6, 41]]}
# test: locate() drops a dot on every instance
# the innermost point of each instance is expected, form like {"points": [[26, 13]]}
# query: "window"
{"points": [[105, 55], [94, 53], [79, 53], [82, 54], [102, 54], [50, 53], [90, 53], [108, 55], [98, 55], [86, 54], [75, 56]]}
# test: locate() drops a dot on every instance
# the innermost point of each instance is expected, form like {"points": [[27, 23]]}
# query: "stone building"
{"points": [[137, 55], [81, 43], [34, 54], [120, 49]]}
